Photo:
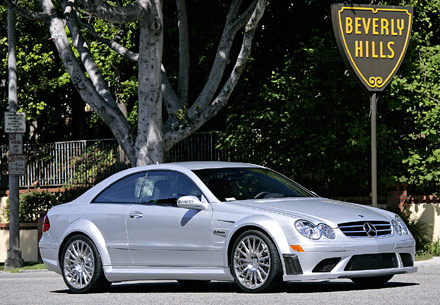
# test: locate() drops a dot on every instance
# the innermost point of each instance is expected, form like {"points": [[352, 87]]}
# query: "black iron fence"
{"points": [[88, 161]]}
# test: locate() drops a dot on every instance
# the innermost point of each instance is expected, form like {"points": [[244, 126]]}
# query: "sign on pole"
{"points": [[15, 122], [15, 144], [16, 165], [372, 40]]}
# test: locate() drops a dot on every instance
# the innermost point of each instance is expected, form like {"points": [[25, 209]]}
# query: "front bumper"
{"points": [[361, 258]]}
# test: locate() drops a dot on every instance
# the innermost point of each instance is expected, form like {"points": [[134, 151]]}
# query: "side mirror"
{"points": [[191, 202]]}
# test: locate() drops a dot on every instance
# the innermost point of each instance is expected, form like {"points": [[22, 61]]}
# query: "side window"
{"points": [[166, 187], [125, 190]]}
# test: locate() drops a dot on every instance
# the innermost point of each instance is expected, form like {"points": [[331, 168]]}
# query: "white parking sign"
{"points": [[15, 122]]}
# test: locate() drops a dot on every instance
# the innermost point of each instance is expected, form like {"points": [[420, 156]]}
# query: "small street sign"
{"points": [[15, 122], [15, 144], [16, 165]]}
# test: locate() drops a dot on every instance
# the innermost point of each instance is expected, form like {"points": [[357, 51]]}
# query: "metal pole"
{"points": [[373, 108], [14, 259]]}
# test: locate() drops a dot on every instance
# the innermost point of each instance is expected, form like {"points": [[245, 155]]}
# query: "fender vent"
{"points": [[292, 264]]}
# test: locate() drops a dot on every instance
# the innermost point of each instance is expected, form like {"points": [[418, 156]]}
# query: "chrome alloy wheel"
{"points": [[251, 262], [79, 264]]}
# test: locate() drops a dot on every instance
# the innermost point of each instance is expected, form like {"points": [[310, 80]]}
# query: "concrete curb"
{"points": [[25, 271], [433, 263]]}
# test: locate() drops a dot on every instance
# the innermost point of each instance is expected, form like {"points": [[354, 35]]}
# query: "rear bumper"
{"points": [[49, 254]]}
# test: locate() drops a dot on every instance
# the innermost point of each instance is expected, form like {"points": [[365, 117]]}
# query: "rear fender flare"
{"points": [[89, 229]]}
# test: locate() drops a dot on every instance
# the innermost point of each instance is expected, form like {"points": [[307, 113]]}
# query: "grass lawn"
{"points": [[423, 257], [27, 266]]}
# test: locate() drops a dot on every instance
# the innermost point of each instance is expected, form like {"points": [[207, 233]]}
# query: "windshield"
{"points": [[230, 184]]}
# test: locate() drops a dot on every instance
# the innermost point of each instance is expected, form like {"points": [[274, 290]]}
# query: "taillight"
{"points": [[46, 224]]}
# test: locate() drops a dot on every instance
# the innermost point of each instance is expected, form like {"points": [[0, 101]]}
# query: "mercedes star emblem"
{"points": [[370, 229]]}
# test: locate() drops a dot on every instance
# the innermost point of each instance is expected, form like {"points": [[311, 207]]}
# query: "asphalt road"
{"points": [[43, 287]]}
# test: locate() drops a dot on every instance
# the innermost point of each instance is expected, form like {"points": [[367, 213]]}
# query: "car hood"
{"points": [[317, 209]]}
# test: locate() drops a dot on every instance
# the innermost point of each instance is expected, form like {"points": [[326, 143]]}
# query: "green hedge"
{"points": [[32, 204]]}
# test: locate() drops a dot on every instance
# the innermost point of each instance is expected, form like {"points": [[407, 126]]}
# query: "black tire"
{"points": [[81, 266], [376, 281], [255, 263]]}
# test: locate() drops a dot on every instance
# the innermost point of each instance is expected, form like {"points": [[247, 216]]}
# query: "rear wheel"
{"points": [[82, 267], [255, 263], [375, 281]]}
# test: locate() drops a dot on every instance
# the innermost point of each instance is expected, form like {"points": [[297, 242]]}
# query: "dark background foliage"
{"points": [[297, 108]]}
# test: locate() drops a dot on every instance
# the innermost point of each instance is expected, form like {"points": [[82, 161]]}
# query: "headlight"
{"points": [[399, 226], [326, 231], [315, 232]]}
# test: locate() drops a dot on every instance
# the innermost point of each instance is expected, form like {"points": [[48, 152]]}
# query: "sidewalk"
{"points": [[433, 263]]}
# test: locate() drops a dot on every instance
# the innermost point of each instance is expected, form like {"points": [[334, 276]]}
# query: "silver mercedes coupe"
{"points": [[200, 221]]}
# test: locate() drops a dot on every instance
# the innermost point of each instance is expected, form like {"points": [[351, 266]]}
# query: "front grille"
{"points": [[366, 228], [372, 262]]}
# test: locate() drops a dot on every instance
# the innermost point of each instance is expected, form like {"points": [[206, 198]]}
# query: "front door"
{"points": [[108, 211], [162, 234]]}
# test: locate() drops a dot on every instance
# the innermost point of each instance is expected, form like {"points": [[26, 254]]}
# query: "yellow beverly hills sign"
{"points": [[373, 40]]}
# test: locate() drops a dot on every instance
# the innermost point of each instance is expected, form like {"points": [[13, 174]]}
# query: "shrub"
{"points": [[433, 247], [70, 194], [32, 204]]}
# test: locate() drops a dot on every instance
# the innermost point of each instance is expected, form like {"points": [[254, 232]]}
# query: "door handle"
{"points": [[135, 214]]}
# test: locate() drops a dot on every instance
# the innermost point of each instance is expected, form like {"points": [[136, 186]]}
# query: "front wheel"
{"points": [[82, 267], [255, 263], [375, 281]]}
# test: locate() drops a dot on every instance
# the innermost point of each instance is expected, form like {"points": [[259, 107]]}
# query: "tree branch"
{"points": [[112, 44], [244, 17], [184, 59], [222, 56], [88, 62], [172, 101], [38, 16], [110, 115], [115, 14], [171, 136]]}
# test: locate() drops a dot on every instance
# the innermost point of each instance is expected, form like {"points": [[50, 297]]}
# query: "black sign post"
{"points": [[373, 41], [13, 125]]}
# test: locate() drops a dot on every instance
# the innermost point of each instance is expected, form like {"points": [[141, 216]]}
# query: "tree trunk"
{"points": [[149, 141]]}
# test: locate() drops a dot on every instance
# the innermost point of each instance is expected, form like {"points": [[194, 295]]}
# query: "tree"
{"points": [[44, 90], [309, 118], [71, 23], [414, 98]]}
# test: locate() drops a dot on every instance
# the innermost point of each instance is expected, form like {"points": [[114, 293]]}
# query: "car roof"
{"points": [[179, 166], [195, 165]]}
